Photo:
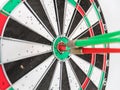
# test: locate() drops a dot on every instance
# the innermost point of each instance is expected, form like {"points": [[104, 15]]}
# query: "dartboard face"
{"points": [[30, 33]]}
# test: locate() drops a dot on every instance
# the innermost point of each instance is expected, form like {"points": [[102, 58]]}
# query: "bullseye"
{"points": [[59, 48]]}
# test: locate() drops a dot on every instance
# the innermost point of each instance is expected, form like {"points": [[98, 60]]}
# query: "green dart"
{"points": [[107, 38]]}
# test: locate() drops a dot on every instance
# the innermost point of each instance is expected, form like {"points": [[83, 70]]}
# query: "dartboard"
{"points": [[30, 34]]}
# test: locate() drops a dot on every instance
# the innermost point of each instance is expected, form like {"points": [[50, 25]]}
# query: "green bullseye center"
{"points": [[62, 56]]}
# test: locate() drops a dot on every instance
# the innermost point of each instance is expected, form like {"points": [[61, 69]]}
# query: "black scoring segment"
{"points": [[14, 69], [74, 22], [60, 7], [39, 10], [65, 82], [80, 74], [97, 29], [99, 61], [85, 4], [86, 57], [45, 83], [91, 86], [18, 31]]}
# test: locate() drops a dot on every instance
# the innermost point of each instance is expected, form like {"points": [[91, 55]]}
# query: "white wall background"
{"points": [[111, 10]]}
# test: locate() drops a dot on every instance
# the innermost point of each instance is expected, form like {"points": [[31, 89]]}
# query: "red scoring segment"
{"points": [[101, 26], [3, 19], [91, 1], [80, 10], [85, 83], [3, 81], [4, 84]]}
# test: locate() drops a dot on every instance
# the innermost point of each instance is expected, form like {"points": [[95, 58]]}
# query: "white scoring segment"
{"points": [[96, 76], [92, 16], [69, 11], [13, 49], [73, 81], [49, 8], [55, 83], [25, 17], [100, 46], [81, 27], [2, 3], [30, 80], [82, 64]]}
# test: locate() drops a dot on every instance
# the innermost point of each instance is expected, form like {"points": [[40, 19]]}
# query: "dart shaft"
{"points": [[108, 35], [90, 50], [113, 37], [100, 50], [88, 42]]}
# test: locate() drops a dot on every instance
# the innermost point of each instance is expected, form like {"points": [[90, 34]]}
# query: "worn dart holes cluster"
{"points": [[61, 55]]}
